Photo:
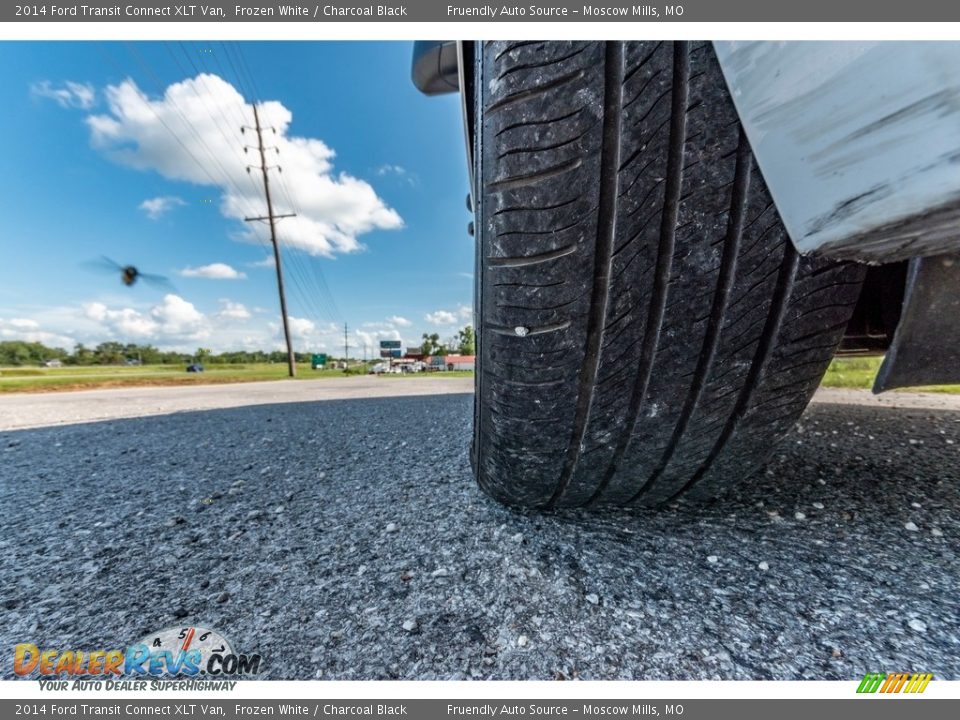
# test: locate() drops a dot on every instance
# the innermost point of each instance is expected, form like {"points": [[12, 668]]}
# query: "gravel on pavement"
{"points": [[346, 539]]}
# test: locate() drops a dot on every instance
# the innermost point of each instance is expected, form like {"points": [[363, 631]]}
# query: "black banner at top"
{"points": [[479, 11]]}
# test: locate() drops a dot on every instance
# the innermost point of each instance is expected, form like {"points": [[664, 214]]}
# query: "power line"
{"points": [[317, 296], [227, 179], [236, 137], [300, 285], [310, 287], [272, 218], [202, 167], [316, 277], [186, 122]]}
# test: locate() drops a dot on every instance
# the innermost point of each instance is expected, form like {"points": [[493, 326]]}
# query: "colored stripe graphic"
{"points": [[894, 683], [918, 683]]}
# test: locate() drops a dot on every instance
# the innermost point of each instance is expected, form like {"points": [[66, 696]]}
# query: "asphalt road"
{"points": [[27, 410], [345, 539]]}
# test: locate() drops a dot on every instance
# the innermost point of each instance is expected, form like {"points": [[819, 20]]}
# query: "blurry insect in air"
{"points": [[129, 274]]}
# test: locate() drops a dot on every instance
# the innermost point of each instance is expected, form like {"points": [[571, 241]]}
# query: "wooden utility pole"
{"points": [[272, 219], [346, 355]]}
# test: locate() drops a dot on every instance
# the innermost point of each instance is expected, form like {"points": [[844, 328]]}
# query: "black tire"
{"points": [[646, 329]]}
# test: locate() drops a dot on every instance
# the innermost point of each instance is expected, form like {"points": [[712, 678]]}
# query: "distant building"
{"points": [[414, 353], [52, 363], [460, 362]]}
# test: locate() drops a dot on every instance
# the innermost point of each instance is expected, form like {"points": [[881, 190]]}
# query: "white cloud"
{"points": [[334, 209], [125, 322], [158, 206], [398, 171], [441, 317], [49, 339], [370, 341], [69, 95], [463, 313], [300, 327], [367, 343], [267, 262], [390, 323], [176, 324], [213, 271], [307, 335], [174, 319], [233, 310], [28, 330]]}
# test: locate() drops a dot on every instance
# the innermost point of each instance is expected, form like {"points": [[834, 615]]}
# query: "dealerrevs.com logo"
{"points": [[195, 657]]}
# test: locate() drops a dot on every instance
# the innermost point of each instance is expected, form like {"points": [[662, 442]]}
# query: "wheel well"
{"points": [[877, 313]]}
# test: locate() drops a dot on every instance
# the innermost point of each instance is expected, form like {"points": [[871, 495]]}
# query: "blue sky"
{"points": [[132, 151]]}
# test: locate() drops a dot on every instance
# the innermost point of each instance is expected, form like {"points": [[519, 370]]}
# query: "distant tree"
{"points": [[55, 353], [109, 353], [466, 342], [203, 354], [14, 352], [82, 355], [431, 345], [145, 354], [148, 354], [20, 352]]}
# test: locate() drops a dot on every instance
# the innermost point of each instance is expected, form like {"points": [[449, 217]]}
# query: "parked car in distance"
{"points": [[195, 368]]}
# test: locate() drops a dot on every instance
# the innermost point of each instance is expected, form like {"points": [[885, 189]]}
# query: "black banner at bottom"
{"points": [[872, 707]]}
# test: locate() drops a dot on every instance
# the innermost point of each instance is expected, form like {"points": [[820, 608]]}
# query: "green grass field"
{"points": [[34, 379], [857, 373]]}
